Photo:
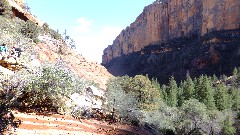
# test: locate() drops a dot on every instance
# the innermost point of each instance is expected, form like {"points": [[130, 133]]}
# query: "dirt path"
{"points": [[32, 124]]}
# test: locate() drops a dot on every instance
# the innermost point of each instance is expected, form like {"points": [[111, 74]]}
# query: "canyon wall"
{"points": [[167, 19]]}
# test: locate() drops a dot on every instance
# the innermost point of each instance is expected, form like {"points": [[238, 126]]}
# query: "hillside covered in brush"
{"points": [[52, 89]]}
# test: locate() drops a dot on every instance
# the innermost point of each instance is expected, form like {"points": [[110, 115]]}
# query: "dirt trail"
{"points": [[32, 124]]}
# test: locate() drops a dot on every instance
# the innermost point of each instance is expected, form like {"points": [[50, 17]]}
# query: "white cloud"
{"points": [[83, 25], [92, 44]]}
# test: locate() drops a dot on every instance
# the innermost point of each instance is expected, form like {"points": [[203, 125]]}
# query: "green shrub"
{"points": [[31, 30], [117, 99], [127, 97], [143, 90], [9, 93], [5, 8], [51, 89], [193, 117], [54, 34], [228, 128]]}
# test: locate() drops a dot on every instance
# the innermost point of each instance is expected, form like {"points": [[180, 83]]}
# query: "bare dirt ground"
{"points": [[55, 124]]}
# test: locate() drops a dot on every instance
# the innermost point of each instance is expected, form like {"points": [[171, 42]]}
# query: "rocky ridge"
{"points": [[164, 20]]}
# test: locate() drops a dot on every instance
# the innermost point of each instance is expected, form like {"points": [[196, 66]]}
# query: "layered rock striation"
{"points": [[164, 20]]}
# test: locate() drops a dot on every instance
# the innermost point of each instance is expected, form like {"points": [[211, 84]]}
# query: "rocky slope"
{"points": [[86, 69], [168, 19]]}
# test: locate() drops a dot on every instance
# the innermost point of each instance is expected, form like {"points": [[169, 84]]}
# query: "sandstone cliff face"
{"points": [[168, 19]]}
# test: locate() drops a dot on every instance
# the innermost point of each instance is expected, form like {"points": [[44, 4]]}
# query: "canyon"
{"points": [[171, 26], [167, 19]]}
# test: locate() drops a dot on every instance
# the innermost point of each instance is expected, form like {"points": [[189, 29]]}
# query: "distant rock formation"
{"points": [[167, 19]]}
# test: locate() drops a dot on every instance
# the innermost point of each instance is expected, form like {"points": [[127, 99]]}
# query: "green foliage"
{"points": [[197, 101], [188, 88], [172, 92], [163, 119], [235, 71], [234, 98], [221, 97], [193, 117], [228, 128], [141, 88], [117, 99], [163, 92], [180, 94], [51, 88], [5, 8], [31, 30], [9, 93], [54, 34], [204, 91]]}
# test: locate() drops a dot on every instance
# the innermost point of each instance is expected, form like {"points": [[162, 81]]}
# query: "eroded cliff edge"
{"points": [[164, 20]]}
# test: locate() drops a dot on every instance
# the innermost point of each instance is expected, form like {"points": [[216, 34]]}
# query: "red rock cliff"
{"points": [[167, 19]]}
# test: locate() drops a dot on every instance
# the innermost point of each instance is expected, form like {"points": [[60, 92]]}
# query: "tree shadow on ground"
{"points": [[7, 120]]}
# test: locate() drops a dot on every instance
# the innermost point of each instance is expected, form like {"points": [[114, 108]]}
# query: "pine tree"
{"points": [[163, 93], [172, 93], [221, 97], [235, 98], [204, 91], [180, 94], [208, 94], [188, 88], [198, 88], [228, 128], [235, 71]]}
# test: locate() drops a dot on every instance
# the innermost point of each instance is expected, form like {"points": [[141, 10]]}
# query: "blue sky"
{"points": [[93, 24]]}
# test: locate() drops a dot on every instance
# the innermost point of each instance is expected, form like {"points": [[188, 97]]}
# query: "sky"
{"points": [[93, 24]]}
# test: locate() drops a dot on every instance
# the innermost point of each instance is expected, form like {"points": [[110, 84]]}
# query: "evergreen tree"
{"points": [[221, 97], [198, 88], [235, 98], [188, 88], [228, 128], [181, 97], [208, 94], [172, 93], [204, 91], [156, 85], [163, 93], [214, 78], [235, 71]]}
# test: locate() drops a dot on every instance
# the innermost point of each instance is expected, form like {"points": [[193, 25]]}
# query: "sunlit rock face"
{"points": [[167, 19]]}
